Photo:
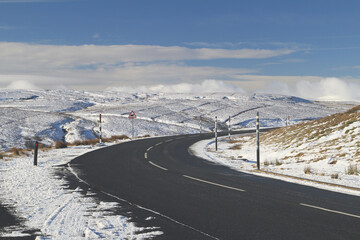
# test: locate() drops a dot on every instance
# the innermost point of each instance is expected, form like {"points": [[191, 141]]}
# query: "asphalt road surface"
{"points": [[192, 198]]}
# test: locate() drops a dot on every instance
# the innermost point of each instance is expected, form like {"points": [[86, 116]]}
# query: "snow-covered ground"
{"points": [[51, 210], [325, 150], [45, 201]]}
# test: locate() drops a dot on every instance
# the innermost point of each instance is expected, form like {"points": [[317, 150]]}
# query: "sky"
{"points": [[255, 45]]}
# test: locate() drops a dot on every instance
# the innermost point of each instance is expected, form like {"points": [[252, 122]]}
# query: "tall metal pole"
{"points": [[100, 128], [229, 128], [216, 141], [200, 125], [258, 140]]}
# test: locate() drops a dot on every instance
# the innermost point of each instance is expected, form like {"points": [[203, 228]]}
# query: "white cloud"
{"points": [[91, 66], [28, 57], [99, 67], [21, 84], [206, 86], [328, 89], [331, 89], [129, 75]]}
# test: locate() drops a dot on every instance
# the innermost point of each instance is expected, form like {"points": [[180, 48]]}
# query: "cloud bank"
{"points": [[330, 89], [21, 84], [99, 66], [32, 57], [206, 86], [326, 89]]}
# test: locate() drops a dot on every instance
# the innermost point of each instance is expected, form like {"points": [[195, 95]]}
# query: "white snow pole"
{"points": [[216, 140], [132, 116]]}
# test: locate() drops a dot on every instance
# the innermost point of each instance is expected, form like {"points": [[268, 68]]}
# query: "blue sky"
{"points": [[307, 40]]}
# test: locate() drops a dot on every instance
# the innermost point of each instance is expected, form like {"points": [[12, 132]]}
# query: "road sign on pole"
{"points": [[132, 116]]}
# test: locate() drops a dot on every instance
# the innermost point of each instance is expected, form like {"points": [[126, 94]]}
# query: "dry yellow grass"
{"points": [[307, 169], [312, 130], [236, 147]]}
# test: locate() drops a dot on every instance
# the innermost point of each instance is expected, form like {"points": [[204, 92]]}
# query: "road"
{"points": [[196, 199]]}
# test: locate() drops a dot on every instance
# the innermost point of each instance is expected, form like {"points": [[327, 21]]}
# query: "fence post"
{"points": [[100, 129], [36, 153]]}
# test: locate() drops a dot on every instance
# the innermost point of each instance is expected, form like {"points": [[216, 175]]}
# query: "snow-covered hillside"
{"points": [[67, 115], [326, 150]]}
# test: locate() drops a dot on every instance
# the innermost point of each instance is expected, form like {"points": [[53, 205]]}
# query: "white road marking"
{"points": [[157, 166], [168, 140], [329, 210], [215, 184], [149, 148], [145, 155], [158, 143], [141, 207]]}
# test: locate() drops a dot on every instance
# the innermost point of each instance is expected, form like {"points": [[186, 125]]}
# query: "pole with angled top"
{"points": [[216, 141], [258, 141], [229, 127], [100, 129]]}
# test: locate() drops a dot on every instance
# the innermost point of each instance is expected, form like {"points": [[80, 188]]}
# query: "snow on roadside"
{"points": [[244, 160], [53, 211]]}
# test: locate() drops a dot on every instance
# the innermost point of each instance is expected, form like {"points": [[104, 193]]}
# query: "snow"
{"points": [[68, 115], [244, 160], [53, 210]]}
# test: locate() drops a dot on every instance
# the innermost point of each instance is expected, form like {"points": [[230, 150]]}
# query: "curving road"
{"points": [[192, 198]]}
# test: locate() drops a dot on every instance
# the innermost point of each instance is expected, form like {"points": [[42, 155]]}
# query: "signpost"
{"points": [[132, 116]]}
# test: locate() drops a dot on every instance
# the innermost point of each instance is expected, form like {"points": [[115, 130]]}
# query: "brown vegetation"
{"points": [[60, 144], [307, 169], [16, 151], [352, 170], [335, 176], [236, 147]]}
